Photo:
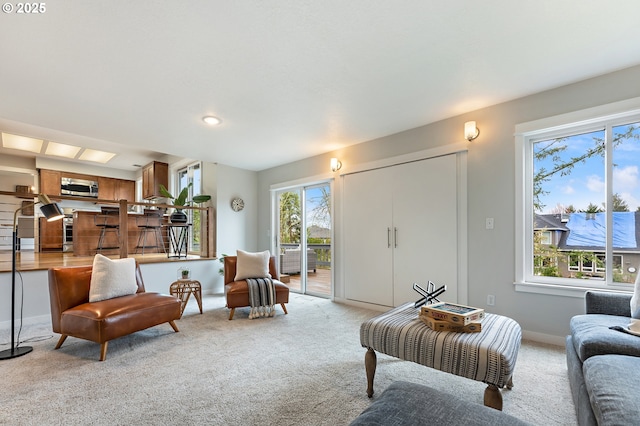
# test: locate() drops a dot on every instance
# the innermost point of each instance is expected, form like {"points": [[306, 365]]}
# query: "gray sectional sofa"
{"points": [[604, 363]]}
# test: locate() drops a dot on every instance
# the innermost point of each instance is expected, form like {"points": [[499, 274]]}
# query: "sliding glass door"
{"points": [[304, 238]]}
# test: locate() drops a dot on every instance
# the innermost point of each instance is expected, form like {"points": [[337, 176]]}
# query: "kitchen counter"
{"points": [[86, 234]]}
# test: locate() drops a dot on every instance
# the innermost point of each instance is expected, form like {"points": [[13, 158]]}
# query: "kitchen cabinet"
{"points": [[400, 228], [50, 234], [116, 189], [154, 174], [50, 182], [127, 190]]}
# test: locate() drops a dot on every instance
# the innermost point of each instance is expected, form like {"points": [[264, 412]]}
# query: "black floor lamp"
{"points": [[52, 212]]}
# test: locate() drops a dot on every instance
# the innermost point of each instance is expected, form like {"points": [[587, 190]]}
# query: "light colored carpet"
{"points": [[303, 368]]}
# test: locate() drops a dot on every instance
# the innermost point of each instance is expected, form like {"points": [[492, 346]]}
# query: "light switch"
{"points": [[489, 223]]}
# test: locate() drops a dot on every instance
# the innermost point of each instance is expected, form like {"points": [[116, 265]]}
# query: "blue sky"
{"points": [[314, 196], [586, 182]]}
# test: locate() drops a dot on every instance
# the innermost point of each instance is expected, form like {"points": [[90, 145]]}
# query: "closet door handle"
{"points": [[395, 237], [388, 237]]}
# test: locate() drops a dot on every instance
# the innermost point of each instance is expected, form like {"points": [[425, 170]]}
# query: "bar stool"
{"points": [[108, 221], [150, 222]]}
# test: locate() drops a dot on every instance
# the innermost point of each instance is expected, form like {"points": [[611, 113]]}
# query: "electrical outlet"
{"points": [[491, 300], [488, 223]]}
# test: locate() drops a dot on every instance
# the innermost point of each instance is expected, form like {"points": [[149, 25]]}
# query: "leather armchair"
{"points": [[237, 292], [73, 315]]}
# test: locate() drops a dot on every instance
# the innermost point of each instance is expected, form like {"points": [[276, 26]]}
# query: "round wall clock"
{"points": [[237, 204]]}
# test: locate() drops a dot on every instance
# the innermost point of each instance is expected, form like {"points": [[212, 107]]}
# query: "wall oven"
{"points": [[67, 233]]}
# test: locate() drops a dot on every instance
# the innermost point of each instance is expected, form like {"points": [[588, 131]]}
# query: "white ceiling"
{"points": [[289, 78]]}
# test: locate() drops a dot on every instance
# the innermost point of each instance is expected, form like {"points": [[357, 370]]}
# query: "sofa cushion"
{"points": [[112, 318], [592, 336], [252, 265], [611, 381], [112, 278], [581, 402], [404, 403]]}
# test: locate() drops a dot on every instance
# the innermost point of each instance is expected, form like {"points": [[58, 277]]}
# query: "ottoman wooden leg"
{"points": [[493, 397], [370, 361], [510, 383]]}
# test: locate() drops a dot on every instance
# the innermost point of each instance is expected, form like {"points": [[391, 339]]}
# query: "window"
{"points": [[545, 237], [191, 175], [579, 203]]}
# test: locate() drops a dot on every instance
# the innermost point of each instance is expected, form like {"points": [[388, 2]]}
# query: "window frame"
{"points": [[552, 127]]}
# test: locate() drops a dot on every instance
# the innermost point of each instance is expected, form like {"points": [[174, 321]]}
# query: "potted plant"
{"points": [[185, 274], [178, 216]]}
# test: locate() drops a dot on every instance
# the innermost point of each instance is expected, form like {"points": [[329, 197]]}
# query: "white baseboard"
{"points": [[5, 326], [543, 338], [361, 304]]}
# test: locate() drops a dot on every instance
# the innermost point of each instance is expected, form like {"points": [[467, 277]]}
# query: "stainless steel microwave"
{"points": [[79, 187]]}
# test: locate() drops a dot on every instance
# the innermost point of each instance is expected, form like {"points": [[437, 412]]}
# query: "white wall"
{"points": [[234, 230], [491, 186]]}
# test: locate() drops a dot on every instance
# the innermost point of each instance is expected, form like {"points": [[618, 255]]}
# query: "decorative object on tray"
{"points": [[429, 295]]}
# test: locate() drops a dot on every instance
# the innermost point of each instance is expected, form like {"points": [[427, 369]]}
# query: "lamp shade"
{"points": [[51, 211], [470, 130]]}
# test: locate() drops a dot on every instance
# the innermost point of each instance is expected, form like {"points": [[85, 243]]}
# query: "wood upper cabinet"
{"points": [[116, 189], [107, 188], [50, 181], [154, 174], [126, 190], [50, 234]]}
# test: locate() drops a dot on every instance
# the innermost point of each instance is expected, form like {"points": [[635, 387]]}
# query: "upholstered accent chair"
{"points": [[237, 292]]}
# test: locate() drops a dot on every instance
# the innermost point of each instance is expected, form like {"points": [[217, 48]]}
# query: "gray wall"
{"points": [[491, 186]]}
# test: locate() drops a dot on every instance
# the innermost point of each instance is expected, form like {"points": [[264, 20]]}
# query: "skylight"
{"points": [[22, 143]]}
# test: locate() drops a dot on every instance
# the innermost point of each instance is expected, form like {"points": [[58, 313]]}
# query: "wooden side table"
{"points": [[182, 289]]}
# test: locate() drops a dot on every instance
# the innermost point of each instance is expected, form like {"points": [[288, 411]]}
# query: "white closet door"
{"points": [[367, 237], [425, 227]]}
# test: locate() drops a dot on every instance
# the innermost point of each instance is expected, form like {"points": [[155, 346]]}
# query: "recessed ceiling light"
{"points": [[62, 150], [96, 156], [22, 143], [211, 120]]}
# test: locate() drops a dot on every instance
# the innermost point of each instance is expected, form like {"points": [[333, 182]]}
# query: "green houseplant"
{"points": [[178, 215]]}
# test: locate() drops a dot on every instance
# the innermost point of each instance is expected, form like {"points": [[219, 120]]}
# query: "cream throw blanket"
{"points": [[262, 297]]}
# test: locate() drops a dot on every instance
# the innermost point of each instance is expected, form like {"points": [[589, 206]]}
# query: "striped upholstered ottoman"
{"points": [[488, 356]]}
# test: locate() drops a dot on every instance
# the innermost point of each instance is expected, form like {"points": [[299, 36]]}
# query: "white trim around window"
{"points": [[552, 127]]}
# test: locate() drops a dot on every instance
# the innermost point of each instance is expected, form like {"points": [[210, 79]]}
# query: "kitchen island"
{"points": [[87, 227]]}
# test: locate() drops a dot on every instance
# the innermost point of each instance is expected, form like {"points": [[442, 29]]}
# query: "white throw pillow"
{"points": [[635, 300], [252, 265], [112, 278]]}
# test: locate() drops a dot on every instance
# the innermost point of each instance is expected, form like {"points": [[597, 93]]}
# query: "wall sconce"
{"points": [[470, 130], [335, 164]]}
